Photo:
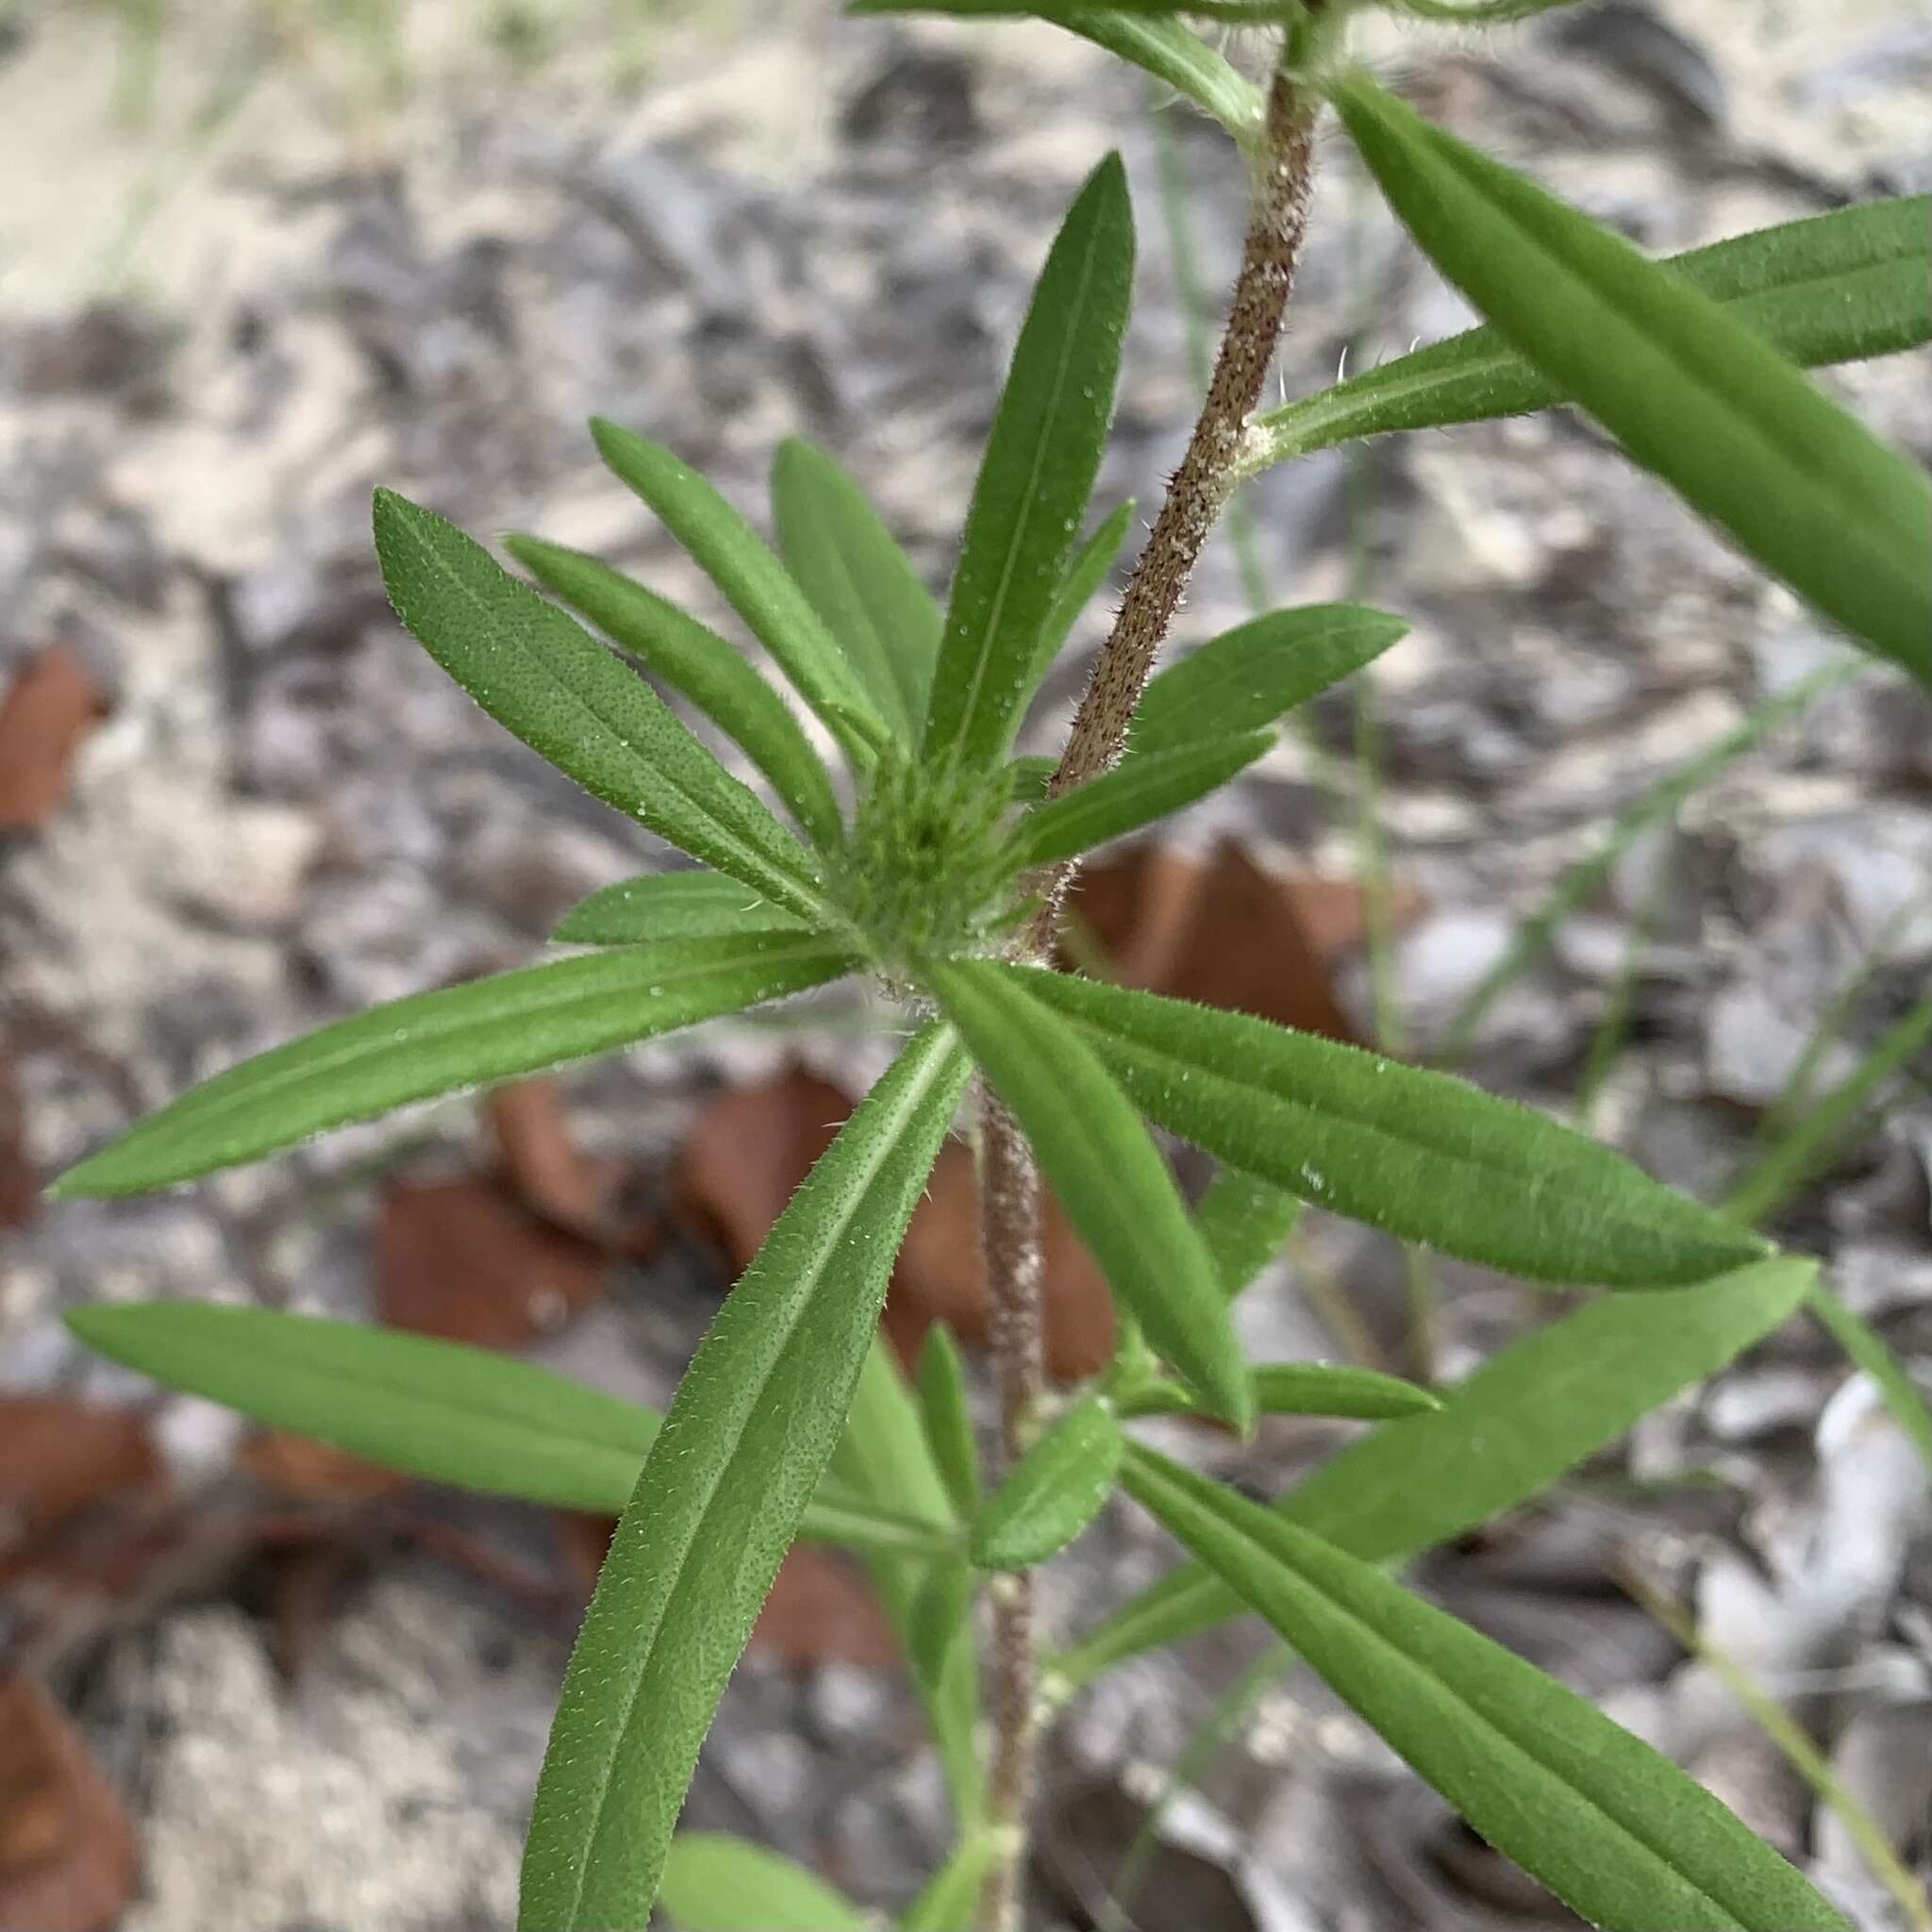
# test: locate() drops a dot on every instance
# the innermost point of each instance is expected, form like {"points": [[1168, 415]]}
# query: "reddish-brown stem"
{"points": [[1008, 1177]]}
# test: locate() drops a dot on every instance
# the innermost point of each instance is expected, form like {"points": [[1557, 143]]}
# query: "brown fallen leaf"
{"points": [[68, 1855], [1226, 931], [465, 1260], [751, 1146], [60, 1456], [51, 705], [552, 1175], [822, 1607], [20, 1186]]}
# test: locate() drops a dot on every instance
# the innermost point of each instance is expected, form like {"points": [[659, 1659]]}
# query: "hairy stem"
{"points": [[1008, 1177], [1010, 1237]]}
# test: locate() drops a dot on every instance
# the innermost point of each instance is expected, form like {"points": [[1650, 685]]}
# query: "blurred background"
{"points": [[257, 256]]}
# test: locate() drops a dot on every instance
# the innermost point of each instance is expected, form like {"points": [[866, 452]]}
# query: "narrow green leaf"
{"points": [[1052, 1492], [435, 1409], [1037, 474], [1689, 393], [543, 676], [1245, 1222], [441, 1043], [1427, 1157], [1610, 1825], [1257, 673], [668, 906], [1160, 46], [694, 659], [1139, 790], [1524, 1419], [1832, 288], [1301, 1388], [716, 1883], [840, 552], [442, 1410], [1084, 576], [1063, 14], [884, 1456], [754, 583], [948, 1418], [948, 1903], [941, 1614], [727, 1479], [1032, 776], [1111, 1180]]}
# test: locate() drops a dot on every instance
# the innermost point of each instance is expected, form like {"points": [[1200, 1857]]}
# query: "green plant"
{"points": [[939, 887]]}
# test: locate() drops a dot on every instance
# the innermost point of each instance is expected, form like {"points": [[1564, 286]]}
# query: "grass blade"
{"points": [[1527, 1417], [1036, 477], [694, 659], [544, 678], [727, 1479], [1110, 1176], [754, 583], [1693, 395], [1832, 288], [441, 1042], [1257, 673], [1136, 792], [837, 549], [1428, 1157], [1609, 1824]]}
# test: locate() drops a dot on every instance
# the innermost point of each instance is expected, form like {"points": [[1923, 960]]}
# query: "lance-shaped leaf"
{"points": [[1037, 474], [1244, 1221], [441, 1042], [753, 1425], [1364, 1395], [1523, 1420], [884, 1456], [1084, 576], [1832, 288], [1160, 46], [1610, 1825], [1425, 1156], [859, 579], [948, 1418], [754, 583], [544, 677], [1052, 1492], [696, 660], [1136, 793], [1110, 1176], [667, 905], [1257, 673], [442, 1410], [716, 1883], [1693, 395]]}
